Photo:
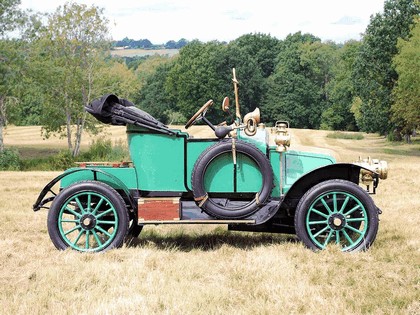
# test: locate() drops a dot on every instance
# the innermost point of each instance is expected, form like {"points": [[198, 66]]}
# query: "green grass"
{"points": [[404, 152], [403, 148], [345, 135], [36, 152]]}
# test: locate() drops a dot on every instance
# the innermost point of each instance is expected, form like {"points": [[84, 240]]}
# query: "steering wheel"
{"points": [[199, 114]]}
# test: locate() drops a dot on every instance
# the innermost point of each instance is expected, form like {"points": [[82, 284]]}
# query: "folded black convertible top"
{"points": [[110, 109]]}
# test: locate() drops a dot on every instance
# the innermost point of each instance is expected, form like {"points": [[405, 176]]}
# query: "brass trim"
{"points": [[235, 86], [200, 198], [203, 201], [374, 165], [251, 121], [234, 151]]}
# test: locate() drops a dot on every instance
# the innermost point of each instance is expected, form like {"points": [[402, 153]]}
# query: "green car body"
{"points": [[164, 163]]}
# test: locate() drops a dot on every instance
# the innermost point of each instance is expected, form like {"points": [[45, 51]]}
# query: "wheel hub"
{"points": [[88, 221], [336, 221]]}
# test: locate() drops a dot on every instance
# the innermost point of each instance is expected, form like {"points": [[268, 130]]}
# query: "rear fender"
{"points": [[344, 171], [115, 181]]}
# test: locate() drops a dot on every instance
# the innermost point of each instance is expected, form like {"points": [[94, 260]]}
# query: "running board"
{"points": [[156, 222]]}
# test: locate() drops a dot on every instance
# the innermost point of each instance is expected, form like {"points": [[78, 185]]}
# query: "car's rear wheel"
{"points": [[337, 212], [88, 216]]}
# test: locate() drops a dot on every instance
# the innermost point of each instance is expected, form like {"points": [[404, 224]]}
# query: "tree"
{"points": [[340, 90], [27, 108], [10, 16], [181, 43], [318, 60], [68, 62], [6, 72], [405, 110], [170, 44], [148, 65], [201, 72], [69, 51], [253, 56], [154, 97], [263, 48], [374, 75], [125, 42], [113, 76], [251, 85], [143, 43], [297, 86]]}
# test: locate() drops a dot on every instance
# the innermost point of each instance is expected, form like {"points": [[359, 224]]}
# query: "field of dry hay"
{"points": [[208, 270]]}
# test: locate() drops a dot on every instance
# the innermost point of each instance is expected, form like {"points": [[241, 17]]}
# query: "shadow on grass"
{"points": [[208, 241]]}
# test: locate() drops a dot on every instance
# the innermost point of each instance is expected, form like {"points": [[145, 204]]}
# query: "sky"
{"points": [[225, 20]]}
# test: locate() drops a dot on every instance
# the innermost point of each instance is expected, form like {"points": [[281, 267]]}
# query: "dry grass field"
{"points": [[206, 269]]}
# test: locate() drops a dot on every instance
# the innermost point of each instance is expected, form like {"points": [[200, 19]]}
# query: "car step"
{"points": [[157, 222]]}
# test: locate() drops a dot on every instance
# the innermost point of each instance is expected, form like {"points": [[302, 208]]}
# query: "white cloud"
{"points": [[224, 20]]}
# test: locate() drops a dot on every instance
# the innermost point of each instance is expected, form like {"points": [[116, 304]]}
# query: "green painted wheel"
{"points": [[336, 212], [88, 216]]}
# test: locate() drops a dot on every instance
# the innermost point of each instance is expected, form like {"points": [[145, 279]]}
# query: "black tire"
{"points": [[220, 208], [135, 229], [337, 211], [88, 216]]}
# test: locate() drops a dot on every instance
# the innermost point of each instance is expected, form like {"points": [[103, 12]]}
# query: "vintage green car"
{"points": [[238, 177]]}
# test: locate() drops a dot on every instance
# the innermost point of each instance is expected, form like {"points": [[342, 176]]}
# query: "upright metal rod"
{"points": [[235, 85], [281, 177]]}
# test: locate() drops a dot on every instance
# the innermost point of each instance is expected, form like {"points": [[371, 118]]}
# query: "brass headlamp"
{"points": [[371, 166], [282, 137]]}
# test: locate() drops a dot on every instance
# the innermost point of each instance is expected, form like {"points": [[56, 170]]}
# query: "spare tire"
{"points": [[223, 208]]}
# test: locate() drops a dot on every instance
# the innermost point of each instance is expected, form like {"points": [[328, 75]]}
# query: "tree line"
{"points": [[147, 44], [60, 62]]}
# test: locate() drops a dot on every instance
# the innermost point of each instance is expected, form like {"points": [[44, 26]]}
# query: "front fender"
{"points": [[344, 171], [93, 172]]}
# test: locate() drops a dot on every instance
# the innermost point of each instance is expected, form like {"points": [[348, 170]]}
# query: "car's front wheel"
{"points": [[337, 212]]}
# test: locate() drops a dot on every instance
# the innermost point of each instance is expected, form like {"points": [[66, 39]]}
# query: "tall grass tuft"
{"points": [[345, 135], [10, 160], [102, 149]]}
